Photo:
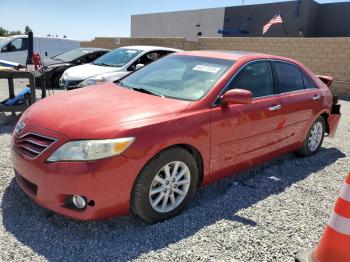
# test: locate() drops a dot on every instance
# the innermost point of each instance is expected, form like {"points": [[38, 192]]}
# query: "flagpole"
{"points": [[285, 30], [284, 27]]}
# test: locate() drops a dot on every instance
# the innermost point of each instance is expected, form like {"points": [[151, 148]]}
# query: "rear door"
{"points": [[241, 133], [300, 101]]}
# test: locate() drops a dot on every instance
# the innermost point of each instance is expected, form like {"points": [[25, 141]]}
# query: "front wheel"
{"points": [[314, 138], [165, 185]]}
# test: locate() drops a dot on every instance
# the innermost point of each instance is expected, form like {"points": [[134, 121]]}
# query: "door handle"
{"points": [[317, 97], [274, 108]]}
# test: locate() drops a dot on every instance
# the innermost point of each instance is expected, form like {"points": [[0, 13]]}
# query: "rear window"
{"points": [[289, 77]]}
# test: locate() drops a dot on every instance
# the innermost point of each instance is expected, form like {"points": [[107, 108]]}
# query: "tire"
{"points": [[3, 118], [308, 147], [153, 177], [55, 81]]}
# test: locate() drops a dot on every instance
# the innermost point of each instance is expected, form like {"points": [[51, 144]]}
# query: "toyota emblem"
{"points": [[19, 127]]}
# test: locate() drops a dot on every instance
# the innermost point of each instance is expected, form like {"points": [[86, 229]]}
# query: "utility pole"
{"points": [[242, 2]]}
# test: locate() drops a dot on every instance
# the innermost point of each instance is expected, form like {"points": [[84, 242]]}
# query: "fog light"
{"points": [[79, 201]]}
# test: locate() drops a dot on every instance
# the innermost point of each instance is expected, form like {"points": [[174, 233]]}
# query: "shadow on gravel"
{"points": [[123, 238], [9, 125]]}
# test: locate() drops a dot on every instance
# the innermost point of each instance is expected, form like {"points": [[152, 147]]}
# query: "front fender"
{"points": [[154, 138]]}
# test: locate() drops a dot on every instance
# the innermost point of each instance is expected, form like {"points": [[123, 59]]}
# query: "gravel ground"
{"points": [[267, 213]]}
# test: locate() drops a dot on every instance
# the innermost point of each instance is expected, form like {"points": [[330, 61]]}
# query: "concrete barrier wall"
{"points": [[326, 56]]}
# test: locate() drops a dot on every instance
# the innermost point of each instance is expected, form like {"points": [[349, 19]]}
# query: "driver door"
{"points": [[242, 133], [17, 50]]}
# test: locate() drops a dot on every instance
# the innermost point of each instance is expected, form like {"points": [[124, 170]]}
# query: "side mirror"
{"points": [[237, 96], [138, 66]]}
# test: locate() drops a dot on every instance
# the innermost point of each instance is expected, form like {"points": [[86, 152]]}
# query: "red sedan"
{"points": [[148, 142]]}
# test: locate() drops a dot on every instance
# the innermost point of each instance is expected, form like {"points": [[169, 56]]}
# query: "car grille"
{"points": [[32, 145]]}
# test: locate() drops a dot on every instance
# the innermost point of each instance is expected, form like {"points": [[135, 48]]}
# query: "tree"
{"points": [[3, 32], [27, 29], [15, 33]]}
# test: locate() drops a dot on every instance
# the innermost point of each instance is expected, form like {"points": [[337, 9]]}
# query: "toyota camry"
{"points": [[146, 143]]}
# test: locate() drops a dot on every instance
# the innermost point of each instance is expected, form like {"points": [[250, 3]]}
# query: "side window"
{"points": [[289, 77], [255, 77], [91, 57], [308, 83], [20, 44], [147, 59]]}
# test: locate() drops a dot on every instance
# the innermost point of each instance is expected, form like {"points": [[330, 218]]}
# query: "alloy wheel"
{"points": [[170, 186], [315, 136]]}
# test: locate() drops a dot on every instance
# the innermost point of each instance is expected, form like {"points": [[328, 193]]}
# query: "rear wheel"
{"points": [[165, 185], [56, 81], [314, 138]]}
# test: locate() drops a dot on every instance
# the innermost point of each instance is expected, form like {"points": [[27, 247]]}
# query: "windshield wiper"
{"points": [[119, 82], [103, 64], [57, 59], [142, 90]]}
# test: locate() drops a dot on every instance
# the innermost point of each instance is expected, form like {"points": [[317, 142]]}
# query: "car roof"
{"points": [[39, 36], [226, 54], [92, 49], [151, 48]]}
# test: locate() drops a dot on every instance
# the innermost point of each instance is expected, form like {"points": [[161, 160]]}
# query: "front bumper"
{"points": [[107, 182]]}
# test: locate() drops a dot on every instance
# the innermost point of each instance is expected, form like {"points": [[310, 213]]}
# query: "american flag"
{"points": [[277, 19]]}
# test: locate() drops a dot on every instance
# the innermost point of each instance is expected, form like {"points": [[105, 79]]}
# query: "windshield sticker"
{"points": [[206, 68], [131, 51]]}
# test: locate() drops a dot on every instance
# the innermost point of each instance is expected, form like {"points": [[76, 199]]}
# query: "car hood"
{"points": [[82, 72], [113, 76], [100, 111]]}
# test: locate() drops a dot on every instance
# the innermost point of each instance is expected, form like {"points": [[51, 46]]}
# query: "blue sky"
{"points": [[85, 19]]}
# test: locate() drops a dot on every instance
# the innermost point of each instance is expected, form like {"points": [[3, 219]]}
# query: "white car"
{"points": [[112, 66], [15, 48]]}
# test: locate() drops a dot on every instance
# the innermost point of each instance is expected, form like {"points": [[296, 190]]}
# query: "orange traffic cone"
{"points": [[334, 245]]}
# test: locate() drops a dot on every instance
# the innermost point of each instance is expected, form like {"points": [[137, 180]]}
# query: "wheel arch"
{"points": [[196, 155], [189, 148]]}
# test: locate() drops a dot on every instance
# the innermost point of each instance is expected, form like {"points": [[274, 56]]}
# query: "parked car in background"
{"points": [[55, 66], [113, 66], [15, 48], [147, 143]]}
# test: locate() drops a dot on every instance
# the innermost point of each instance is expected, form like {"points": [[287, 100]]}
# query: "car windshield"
{"points": [[118, 57], [71, 55], [179, 76]]}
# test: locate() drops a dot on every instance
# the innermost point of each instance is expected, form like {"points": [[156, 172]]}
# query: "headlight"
{"points": [[64, 75], [95, 80], [84, 150]]}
